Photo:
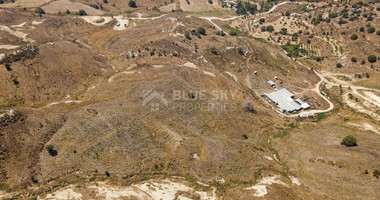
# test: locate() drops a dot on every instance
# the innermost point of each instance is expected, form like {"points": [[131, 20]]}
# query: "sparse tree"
{"points": [[107, 174], [8, 67], [187, 35], [82, 13], [349, 141], [39, 10], [132, 4], [248, 106], [376, 173], [201, 30], [233, 33], [372, 58], [354, 37], [51, 150], [214, 51], [371, 30], [284, 31]]}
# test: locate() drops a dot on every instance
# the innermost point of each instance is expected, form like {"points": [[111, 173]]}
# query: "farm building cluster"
{"points": [[285, 101]]}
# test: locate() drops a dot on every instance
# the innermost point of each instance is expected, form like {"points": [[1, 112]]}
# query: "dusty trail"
{"points": [[368, 97]]}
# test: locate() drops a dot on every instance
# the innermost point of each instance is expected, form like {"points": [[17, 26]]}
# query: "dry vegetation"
{"points": [[71, 97]]}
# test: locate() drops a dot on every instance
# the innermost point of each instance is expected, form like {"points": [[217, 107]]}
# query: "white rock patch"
{"points": [[261, 187]]}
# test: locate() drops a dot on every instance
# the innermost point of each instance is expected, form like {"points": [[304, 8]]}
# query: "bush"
{"points": [[349, 141], [270, 28], [263, 29], [376, 173], [214, 51], [353, 59], [8, 67], [210, 2], [107, 174], [221, 33], [105, 1], [187, 35], [262, 20], [338, 65], [354, 37], [284, 31], [39, 10], [372, 58], [248, 106], [371, 30], [132, 4], [51, 150], [201, 30], [233, 33], [361, 29], [295, 37], [1, 1], [82, 13], [333, 15], [378, 32]]}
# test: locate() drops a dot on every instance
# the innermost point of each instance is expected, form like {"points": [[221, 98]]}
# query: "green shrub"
{"points": [[39, 10], [295, 37], [187, 35], [338, 65], [284, 31], [354, 37], [270, 28], [132, 4], [376, 173], [107, 174], [82, 13], [361, 29], [353, 59], [371, 30], [333, 15], [378, 32], [233, 33], [51, 150], [372, 58], [349, 141], [201, 30], [214, 51]]}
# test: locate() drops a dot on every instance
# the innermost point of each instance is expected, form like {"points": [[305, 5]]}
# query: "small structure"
{"points": [[271, 83], [284, 100], [306, 115], [303, 104]]}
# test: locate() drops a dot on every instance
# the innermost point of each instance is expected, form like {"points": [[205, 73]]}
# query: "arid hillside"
{"points": [[144, 103]]}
